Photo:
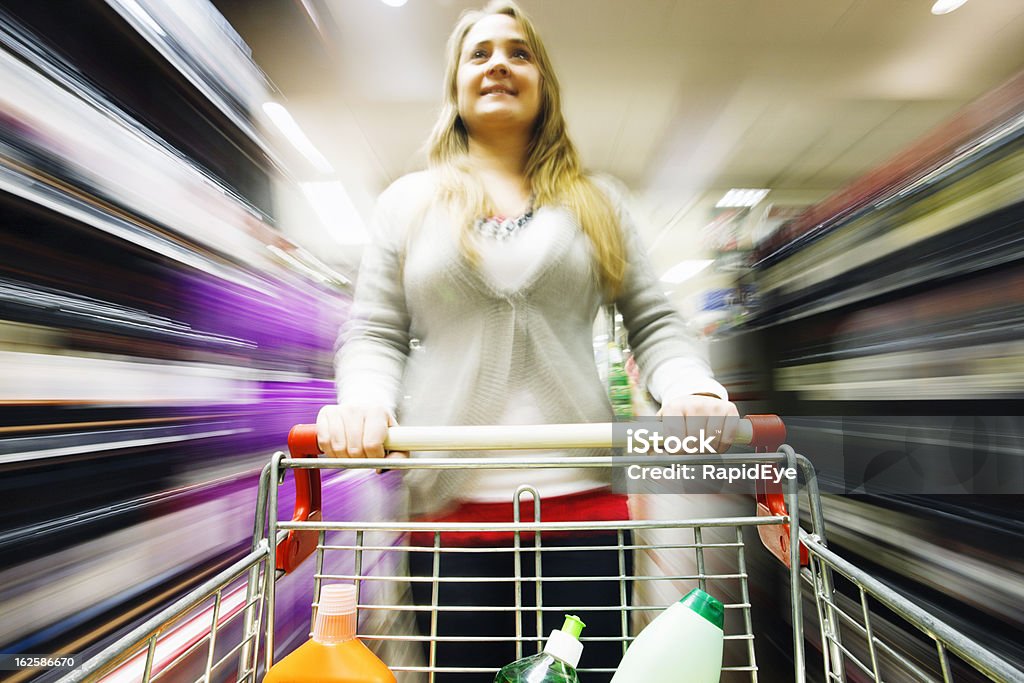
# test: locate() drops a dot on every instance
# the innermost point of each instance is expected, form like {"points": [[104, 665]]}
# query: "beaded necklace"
{"points": [[502, 228]]}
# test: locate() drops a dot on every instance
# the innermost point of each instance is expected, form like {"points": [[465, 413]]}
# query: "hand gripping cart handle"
{"points": [[855, 642]]}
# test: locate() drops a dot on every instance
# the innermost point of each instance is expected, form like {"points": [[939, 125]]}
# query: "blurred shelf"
{"points": [[88, 211], [158, 334], [970, 226], [904, 289], [26, 449], [976, 371], [203, 47], [40, 305], [939, 157]]}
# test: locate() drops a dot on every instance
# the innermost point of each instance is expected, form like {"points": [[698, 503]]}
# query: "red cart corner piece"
{"points": [[300, 544], [768, 433]]}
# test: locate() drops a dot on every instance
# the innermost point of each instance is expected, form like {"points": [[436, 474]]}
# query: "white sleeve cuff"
{"points": [[683, 377], [367, 388]]}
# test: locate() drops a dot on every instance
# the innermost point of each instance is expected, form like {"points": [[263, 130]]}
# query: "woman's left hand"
{"points": [[716, 417]]}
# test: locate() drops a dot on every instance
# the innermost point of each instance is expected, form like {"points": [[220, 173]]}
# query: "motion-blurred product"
{"points": [[684, 643], [334, 654], [556, 664], [619, 391]]}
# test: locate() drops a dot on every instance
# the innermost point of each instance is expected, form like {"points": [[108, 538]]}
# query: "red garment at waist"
{"points": [[597, 505]]}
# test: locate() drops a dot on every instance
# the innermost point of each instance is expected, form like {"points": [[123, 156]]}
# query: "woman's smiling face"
{"points": [[498, 82]]}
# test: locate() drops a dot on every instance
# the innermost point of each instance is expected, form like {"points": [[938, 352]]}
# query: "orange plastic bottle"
{"points": [[334, 654]]}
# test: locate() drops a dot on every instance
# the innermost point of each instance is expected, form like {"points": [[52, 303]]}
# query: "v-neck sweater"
{"points": [[477, 342]]}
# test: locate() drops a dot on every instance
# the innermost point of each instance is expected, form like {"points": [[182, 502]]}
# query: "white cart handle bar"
{"points": [[765, 432]]}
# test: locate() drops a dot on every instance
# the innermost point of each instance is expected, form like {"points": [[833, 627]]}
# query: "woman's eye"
{"points": [[478, 54], [521, 54]]}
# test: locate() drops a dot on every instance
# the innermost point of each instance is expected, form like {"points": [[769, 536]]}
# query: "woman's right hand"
{"points": [[353, 430]]}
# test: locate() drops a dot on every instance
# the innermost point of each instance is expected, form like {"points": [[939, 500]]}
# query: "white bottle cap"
{"points": [[564, 646], [335, 614]]}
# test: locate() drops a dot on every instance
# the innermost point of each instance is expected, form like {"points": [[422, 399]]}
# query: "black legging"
{"points": [[569, 595]]}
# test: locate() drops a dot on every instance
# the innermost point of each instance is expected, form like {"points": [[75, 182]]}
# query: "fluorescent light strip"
{"points": [[737, 197], [282, 118], [334, 208], [947, 6]]}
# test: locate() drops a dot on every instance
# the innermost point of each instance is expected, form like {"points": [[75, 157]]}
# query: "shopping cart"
{"points": [[851, 625]]}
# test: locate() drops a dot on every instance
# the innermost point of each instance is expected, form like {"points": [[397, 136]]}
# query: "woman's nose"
{"points": [[499, 66]]}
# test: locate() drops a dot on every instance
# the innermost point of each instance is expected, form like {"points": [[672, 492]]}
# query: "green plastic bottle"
{"points": [[556, 664], [619, 391]]}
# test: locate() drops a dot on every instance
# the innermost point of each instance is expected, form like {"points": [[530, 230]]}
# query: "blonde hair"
{"points": [[553, 167]]}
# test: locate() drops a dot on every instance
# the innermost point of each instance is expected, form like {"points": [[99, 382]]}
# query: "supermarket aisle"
{"points": [[185, 190]]}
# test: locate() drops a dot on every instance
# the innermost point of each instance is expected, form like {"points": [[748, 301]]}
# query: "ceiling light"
{"points": [[336, 211], [287, 125], [394, 3], [946, 6], [684, 270], [741, 197]]}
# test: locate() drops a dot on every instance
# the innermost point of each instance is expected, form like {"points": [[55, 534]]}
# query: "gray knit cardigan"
{"points": [[476, 343]]}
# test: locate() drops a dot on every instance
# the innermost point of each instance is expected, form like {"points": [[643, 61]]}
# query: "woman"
{"points": [[497, 260]]}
